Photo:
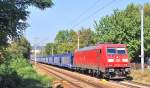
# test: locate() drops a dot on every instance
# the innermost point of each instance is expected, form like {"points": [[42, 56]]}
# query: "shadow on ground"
{"points": [[15, 81]]}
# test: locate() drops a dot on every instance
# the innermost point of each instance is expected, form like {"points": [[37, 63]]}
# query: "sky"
{"points": [[69, 14]]}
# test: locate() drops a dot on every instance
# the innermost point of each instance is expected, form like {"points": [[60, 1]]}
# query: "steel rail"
{"points": [[73, 83]]}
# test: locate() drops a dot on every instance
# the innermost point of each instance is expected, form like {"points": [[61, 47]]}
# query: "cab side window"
{"points": [[99, 51]]}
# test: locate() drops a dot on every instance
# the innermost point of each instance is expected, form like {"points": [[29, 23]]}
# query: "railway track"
{"points": [[78, 80], [72, 80], [60, 77], [132, 84]]}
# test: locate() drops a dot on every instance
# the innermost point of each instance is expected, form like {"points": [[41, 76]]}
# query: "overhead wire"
{"points": [[85, 11], [97, 11]]}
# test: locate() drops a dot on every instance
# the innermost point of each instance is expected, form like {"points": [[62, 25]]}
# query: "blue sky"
{"points": [[44, 25]]}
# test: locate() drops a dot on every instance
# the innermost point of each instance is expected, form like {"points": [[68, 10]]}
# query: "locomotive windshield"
{"points": [[116, 51], [111, 51], [121, 51]]}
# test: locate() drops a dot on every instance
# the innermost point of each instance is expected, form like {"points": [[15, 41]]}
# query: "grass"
{"points": [[140, 76], [19, 73]]}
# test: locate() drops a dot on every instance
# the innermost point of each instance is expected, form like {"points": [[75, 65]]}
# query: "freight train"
{"points": [[103, 60]]}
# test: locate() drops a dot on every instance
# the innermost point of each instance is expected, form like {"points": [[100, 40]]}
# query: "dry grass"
{"points": [[140, 76], [44, 73]]}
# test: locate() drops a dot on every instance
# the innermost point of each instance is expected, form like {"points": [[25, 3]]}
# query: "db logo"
{"points": [[117, 60]]}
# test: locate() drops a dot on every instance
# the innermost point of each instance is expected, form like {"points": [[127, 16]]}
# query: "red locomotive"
{"points": [[106, 60]]}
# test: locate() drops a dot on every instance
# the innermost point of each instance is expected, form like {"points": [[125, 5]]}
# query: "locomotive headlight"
{"points": [[125, 60], [110, 60], [127, 69]]}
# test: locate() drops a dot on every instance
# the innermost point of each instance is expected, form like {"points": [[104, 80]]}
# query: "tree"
{"points": [[67, 40], [86, 36], [124, 27], [50, 49], [20, 47], [13, 15]]}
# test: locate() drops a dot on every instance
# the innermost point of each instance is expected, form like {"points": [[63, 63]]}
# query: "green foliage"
{"points": [[9, 78], [13, 15], [26, 71], [19, 73], [42, 4], [124, 27], [50, 48], [15, 70], [20, 47], [67, 40], [86, 37], [11, 26]]}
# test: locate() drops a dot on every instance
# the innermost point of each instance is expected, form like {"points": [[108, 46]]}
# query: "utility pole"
{"points": [[142, 39], [35, 54], [35, 51], [78, 40], [42, 50], [52, 51]]}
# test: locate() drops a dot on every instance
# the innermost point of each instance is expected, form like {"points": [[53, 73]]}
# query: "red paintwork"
{"points": [[93, 59]]}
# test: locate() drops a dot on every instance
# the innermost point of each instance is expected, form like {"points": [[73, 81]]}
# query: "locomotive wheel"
{"points": [[97, 74], [102, 75]]}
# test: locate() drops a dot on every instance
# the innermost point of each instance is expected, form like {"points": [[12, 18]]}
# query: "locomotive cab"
{"points": [[117, 62], [105, 60]]}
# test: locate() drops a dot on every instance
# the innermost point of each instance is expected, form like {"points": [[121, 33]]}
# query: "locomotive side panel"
{"points": [[91, 59], [85, 59]]}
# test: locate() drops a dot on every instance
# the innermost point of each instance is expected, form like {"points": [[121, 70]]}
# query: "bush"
{"points": [[19, 73]]}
